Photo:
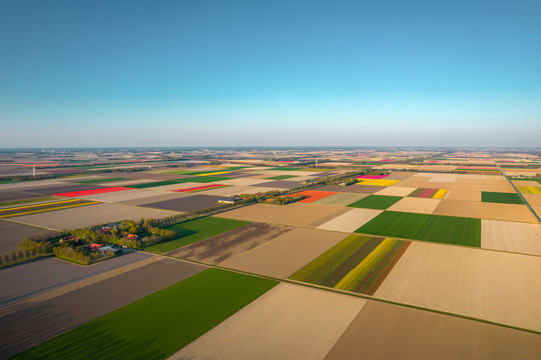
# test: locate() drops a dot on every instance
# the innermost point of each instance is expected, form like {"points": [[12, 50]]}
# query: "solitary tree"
{"points": [[6, 258], [13, 256], [20, 254]]}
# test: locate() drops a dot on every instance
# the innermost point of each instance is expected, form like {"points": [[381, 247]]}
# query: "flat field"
{"points": [[90, 215], [356, 189], [415, 205], [160, 324], [43, 207], [433, 228], [358, 264], [379, 202], [296, 214], [485, 210], [351, 220], [418, 334], [196, 230], [186, 203], [313, 195], [511, 236], [502, 198], [56, 312], [12, 233], [341, 199], [285, 323], [396, 191], [286, 253], [491, 285]]}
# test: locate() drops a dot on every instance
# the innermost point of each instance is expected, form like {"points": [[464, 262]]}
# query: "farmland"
{"points": [[434, 228], [149, 328], [358, 263], [196, 230], [504, 198], [380, 202], [43, 207]]}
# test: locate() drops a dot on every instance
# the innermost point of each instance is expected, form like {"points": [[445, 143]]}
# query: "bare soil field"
{"points": [[511, 236], [418, 334], [463, 195], [28, 185], [341, 199], [90, 215], [11, 234], [483, 187], [244, 182], [533, 199], [127, 195], [237, 189], [38, 321], [296, 214], [157, 196], [415, 205], [491, 180], [418, 182], [436, 167], [351, 220], [172, 187], [286, 253], [188, 203], [14, 195], [282, 184], [480, 210], [396, 191], [219, 248], [357, 189], [289, 322], [126, 182], [33, 278], [491, 285]]}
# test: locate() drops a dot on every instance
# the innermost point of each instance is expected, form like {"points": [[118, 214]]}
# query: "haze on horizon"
{"points": [[243, 73]]}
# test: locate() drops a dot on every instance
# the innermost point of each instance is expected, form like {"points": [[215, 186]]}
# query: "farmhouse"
{"points": [[95, 246], [231, 200]]}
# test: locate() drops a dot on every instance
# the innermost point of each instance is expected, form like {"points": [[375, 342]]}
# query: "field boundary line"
{"points": [[345, 292]]}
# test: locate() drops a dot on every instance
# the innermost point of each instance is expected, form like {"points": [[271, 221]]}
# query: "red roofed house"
{"points": [[132, 237], [95, 246]]}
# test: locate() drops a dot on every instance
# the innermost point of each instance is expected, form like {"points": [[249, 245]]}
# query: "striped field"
{"points": [[44, 207], [358, 263], [429, 193], [529, 190]]}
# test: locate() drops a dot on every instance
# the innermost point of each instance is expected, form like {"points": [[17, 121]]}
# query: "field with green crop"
{"points": [[160, 324], [357, 263], [433, 228], [196, 230], [379, 202], [503, 198]]}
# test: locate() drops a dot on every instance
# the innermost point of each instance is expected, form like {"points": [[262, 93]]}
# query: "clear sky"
{"points": [[220, 73]]}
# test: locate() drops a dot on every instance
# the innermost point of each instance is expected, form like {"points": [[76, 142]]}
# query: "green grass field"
{"points": [[101, 180], [160, 324], [281, 177], [380, 202], [433, 228], [196, 230], [503, 198]]}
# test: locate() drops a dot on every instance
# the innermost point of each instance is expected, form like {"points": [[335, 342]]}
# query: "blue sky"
{"points": [[220, 73]]}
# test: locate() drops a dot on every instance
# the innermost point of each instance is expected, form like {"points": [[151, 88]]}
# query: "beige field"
{"points": [[341, 199], [491, 285], [507, 188], [436, 167], [30, 184], [127, 195], [175, 186], [127, 182], [537, 209], [420, 183], [351, 220], [481, 210], [90, 215], [491, 180], [511, 236], [418, 334], [463, 195], [415, 205], [289, 322], [396, 191], [450, 178], [285, 254], [296, 214], [532, 199], [243, 181]]}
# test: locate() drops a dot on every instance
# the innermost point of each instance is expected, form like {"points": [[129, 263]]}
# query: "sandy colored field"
{"points": [[356, 188], [450, 178], [289, 322], [219, 248], [463, 195], [532, 199], [490, 180], [286, 253], [341, 199], [483, 187], [28, 185], [511, 236], [496, 286], [90, 215], [127, 195], [420, 183], [526, 183], [436, 167], [350, 221], [481, 210], [388, 331], [396, 191], [35, 322], [296, 214], [415, 205]]}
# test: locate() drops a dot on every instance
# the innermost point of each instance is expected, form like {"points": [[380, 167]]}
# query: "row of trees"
{"points": [[17, 257], [75, 255]]}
